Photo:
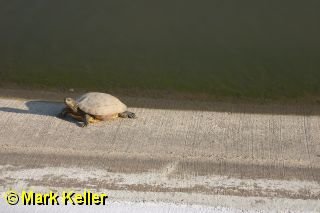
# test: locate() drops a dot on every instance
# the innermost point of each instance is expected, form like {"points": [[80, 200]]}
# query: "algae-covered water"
{"points": [[254, 49]]}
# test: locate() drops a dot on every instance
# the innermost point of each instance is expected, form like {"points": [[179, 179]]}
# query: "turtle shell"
{"points": [[95, 103]]}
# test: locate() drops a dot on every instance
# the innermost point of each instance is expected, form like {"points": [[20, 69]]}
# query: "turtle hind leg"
{"points": [[127, 114]]}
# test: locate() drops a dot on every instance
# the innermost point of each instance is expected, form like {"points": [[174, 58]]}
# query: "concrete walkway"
{"points": [[191, 156]]}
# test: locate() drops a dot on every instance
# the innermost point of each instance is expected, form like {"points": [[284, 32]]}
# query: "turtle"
{"points": [[95, 106]]}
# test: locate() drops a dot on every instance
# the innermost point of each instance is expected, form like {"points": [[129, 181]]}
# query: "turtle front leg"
{"points": [[63, 113], [87, 119]]}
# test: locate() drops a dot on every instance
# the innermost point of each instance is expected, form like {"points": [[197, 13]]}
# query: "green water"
{"points": [[225, 48]]}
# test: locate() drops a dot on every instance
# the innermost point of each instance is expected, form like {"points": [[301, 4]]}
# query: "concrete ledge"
{"points": [[203, 152]]}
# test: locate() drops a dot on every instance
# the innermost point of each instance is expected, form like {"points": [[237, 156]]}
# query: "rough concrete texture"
{"points": [[120, 207], [189, 155]]}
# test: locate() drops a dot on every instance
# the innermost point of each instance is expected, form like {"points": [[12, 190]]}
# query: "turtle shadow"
{"points": [[44, 108]]}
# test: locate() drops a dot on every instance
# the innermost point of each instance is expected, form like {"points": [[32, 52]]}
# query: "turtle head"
{"points": [[72, 104]]}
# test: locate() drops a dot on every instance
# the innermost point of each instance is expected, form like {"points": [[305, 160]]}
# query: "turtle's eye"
{"points": [[67, 100]]}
